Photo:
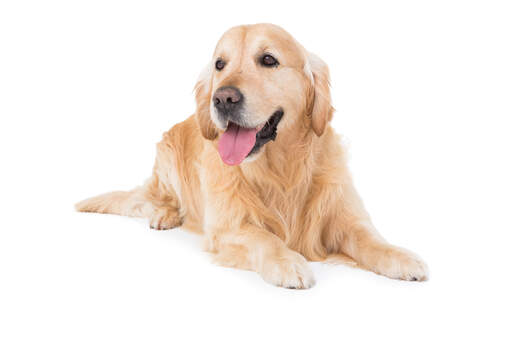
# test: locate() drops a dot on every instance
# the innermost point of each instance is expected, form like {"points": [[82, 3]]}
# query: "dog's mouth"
{"points": [[238, 142]]}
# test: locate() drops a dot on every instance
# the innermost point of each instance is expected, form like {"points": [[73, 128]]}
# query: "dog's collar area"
{"points": [[268, 132]]}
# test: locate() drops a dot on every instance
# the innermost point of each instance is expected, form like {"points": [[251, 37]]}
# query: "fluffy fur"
{"points": [[294, 201]]}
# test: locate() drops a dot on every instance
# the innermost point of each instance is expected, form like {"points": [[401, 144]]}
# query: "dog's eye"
{"points": [[219, 64], [268, 60]]}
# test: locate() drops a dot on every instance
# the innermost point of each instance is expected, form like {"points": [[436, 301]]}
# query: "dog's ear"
{"points": [[203, 96], [320, 110]]}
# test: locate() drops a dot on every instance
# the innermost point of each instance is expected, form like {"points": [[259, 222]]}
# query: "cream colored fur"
{"points": [[292, 202]]}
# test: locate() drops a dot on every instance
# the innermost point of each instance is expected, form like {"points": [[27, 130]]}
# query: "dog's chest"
{"points": [[288, 205]]}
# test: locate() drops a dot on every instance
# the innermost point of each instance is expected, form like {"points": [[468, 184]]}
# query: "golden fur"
{"points": [[294, 201]]}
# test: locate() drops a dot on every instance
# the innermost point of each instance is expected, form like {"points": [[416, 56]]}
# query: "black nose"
{"points": [[228, 100]]}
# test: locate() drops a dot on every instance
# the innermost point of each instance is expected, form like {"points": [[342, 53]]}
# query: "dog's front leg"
{"points": [[363, 243], [254, 248]]}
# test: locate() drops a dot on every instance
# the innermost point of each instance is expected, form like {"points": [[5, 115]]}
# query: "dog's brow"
{"points": [[267, 49]]}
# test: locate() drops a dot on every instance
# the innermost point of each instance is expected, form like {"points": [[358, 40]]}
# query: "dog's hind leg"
{"points": [[165, 213], [150, 201], [128, 203], [156, 200]]}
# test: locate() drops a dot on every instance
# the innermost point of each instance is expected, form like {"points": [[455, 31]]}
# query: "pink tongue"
{"points": [[236, 143]]}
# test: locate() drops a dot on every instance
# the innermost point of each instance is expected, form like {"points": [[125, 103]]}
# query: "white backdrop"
{"points": [[423, 98]]}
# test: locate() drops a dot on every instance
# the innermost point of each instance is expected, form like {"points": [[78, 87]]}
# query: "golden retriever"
{"points": [[259, 170]]}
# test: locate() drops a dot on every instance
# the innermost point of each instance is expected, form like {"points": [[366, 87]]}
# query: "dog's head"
{"points": [[259, 83]]}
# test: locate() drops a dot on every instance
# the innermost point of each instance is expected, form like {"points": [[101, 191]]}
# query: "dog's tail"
{"points": [[131, 203]]}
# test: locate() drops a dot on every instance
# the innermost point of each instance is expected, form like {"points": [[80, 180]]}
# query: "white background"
{"points": [[423, 98]]}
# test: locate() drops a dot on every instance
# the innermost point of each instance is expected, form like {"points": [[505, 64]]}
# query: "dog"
{"points": [[259, 171]]}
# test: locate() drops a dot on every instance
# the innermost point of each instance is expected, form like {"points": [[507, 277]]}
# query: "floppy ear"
{"points": [[321, 109], [203, 95]]}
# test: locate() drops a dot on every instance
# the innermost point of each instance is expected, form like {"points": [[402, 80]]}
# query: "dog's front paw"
{"points": [[289, 270], [402, 264]]}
